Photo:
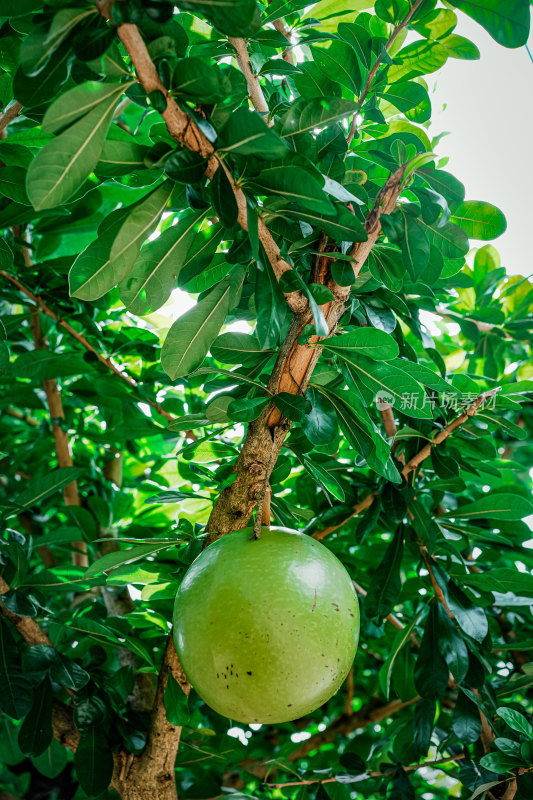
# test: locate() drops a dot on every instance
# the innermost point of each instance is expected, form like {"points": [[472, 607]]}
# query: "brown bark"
{"points": [[151, 775], [26, 626], [255, 91]]}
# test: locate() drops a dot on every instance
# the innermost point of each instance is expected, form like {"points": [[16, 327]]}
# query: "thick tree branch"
{"points": [[255, 91]]}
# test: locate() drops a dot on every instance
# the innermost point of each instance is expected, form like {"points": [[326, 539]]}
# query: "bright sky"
{"points": [[489, 114]]}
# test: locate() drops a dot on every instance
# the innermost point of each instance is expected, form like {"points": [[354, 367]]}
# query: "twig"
{"points": [[57, 416], [373, 71], [107, 362], [389, 421], [27, 418], [440, 437], [392, 618], [254, 87], [358, 507], [407, 768], [414, 462], [8, 116]]}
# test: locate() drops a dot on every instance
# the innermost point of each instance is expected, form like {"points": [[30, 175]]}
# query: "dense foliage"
{"points": [[133, 164]]}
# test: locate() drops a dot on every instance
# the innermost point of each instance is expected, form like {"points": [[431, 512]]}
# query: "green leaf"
{"points": [[500, 762], [305, 115], [232, 17], [37, 489], [52, 761], [452, 646], [339, 63], [461, 47], [154, 275], [408, 95], [36, 732], [516, 721], [500, 580], [415, 246], [451, 240], [320, 424], [431, 671], [399, 641], [505, 506], [93, 761], [16, 697], [386, 266], [344, 226], [113, 560], [418, 58], [176, 703], [386, 583], [223, 199], [371, 342], [292, 406], [466, 723], [507, 22], [77, 102], [247, 409], [325, 478], [295, 184], [389, 384], [61, 166], [12, 184], [238, 348], [108, 260], [480, 220], [246, 133], [191, 336]]}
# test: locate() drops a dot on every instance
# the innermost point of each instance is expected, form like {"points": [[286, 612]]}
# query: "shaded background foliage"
{"points": [[93, 252]]}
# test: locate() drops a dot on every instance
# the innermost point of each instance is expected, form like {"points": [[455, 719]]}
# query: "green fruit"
{"points": [[266, 629]]}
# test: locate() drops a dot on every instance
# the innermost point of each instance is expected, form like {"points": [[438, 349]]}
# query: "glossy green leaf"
{"points": [[339, 63], [93, 761], [108, 260], [479, 220], [77, 102], [305, 115], [191, 336], [60, 168], [247, 134], [370, 342], [39, 488], [36, 732], [295, 185], [507, 22], [152, 278]]}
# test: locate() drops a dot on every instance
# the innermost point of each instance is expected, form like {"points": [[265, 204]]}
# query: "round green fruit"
{"points": [[266, 629]]}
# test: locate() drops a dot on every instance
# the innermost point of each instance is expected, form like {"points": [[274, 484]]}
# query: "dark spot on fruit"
{"points": [[218, 676], [289, 705], [227, 687], [248, 673]]}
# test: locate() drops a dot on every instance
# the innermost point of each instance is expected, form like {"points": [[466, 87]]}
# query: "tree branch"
{"points": [[184, 130], [287, 53], [107, 362], [414, 462], [443, 435], [255, 91], [373, 71], [407, 768], [8, 116]]}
